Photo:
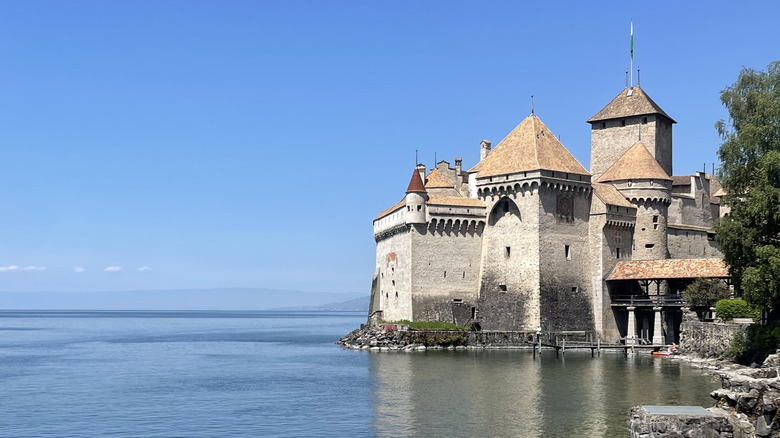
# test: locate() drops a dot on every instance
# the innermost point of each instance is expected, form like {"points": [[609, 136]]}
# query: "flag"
{"points": [[632, 40]]}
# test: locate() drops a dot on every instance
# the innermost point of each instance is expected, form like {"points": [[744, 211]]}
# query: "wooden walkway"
{"points": [[595, 348]]}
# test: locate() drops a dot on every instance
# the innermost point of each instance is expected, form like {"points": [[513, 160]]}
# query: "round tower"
{"points": [[641, 180], [416, 197]]}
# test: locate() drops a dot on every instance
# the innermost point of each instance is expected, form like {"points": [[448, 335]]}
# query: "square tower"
{"points": [[632, 116]]}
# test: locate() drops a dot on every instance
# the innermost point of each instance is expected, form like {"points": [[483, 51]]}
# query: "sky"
{"points": [[213, 144]]}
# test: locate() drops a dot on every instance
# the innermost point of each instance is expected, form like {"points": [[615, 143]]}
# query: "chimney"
{"points": [[484, 149], [421, 169], [458, 166]]}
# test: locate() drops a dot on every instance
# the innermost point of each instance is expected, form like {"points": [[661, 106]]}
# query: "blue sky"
{"points": [[250, 144]]}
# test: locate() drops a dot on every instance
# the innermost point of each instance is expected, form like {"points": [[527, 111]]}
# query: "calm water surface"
{"points": [[242, 374]]}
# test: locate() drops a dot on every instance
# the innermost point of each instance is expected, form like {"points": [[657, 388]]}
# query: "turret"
{"points": [[642, 181], [416, 197]]}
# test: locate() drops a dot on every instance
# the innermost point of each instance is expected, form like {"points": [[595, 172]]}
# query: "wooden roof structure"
{"points": [[629, 102], [669, 269], [530, 146]]}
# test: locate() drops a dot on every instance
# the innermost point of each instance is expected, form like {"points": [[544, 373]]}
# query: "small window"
{"points": [[392, 269], [644, 120], [649, 245], [445, 274], [507, 252], [574, 289], [655, 226], [387, 295], [457, 300], [383, 275], [630, 183], [633, 245], [464, 274], [502, 287], [655, 219], [623, 122], [617, 253], [419, 207], [567, 251], [393, 282], [603, 125], [396, 294]]}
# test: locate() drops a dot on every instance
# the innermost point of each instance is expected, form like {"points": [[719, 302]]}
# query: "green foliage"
{"points": [[765, 338], [736, 347], [428, 325], [750, 174], [730, 309], [443, 339], [705, 292]]}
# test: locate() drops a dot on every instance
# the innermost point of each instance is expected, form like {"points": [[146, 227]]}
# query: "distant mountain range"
{"points": [[359, 304], [184, 299]]}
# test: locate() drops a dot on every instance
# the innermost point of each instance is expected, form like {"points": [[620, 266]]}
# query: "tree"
{"points": [[750, 173], [705, 292]]}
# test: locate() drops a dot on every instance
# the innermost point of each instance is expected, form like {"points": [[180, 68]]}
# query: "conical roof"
{"points": [[436, 180], [629, 102], [530, 146], [416, 184], [636, 163]]}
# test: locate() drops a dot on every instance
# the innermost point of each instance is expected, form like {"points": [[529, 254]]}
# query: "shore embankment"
{"points": [[395, 338]]}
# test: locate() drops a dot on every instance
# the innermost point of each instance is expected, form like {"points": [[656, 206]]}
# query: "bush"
{"points": [[730, 309], [736, 348], [704, 292], [765, 338]]}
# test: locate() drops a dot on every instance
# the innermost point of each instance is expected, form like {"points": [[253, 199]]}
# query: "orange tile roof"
{"points": [[437, 181], [635, 163], [623, 105], [392, 209], [610, 195], [416, 184], [455, 201], [530, 146], [669, 268]]}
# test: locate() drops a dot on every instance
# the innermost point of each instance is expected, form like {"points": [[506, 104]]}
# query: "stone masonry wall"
{"points": [[689, 244], [510, 263], [445, 271], [646, 425], [707, 339], [393, 261], [565, 292]]}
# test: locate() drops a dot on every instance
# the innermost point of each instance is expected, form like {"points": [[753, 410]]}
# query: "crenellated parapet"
{"points": [[456, 227]]}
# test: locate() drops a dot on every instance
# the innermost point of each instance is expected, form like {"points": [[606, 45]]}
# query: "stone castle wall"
{"points": [[510, 263], [393, 262], [685, 243], [445, 270], [565, 292]]}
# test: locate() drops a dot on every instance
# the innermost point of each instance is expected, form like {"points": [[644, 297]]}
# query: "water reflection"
{"points": [[508, 393]]}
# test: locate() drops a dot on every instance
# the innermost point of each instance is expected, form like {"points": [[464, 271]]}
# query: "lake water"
{"points": [[248, 374]]}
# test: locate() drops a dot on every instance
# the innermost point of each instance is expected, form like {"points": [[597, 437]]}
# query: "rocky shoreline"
{"points": [[382, 338], [749, 397]]}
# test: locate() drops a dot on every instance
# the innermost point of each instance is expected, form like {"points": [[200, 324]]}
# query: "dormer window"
{"points": [[630, 183]]}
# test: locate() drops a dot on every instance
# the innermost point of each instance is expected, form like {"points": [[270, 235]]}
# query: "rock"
{"points": [[421, 348], [762, 428]]}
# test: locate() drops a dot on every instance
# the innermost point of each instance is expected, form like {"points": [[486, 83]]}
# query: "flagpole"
{"points": [[632, 53]]}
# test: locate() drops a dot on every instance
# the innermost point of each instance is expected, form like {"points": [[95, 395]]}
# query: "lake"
{"points": [[266, 373]]}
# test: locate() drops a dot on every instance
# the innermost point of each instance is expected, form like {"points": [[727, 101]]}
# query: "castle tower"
{"points": [[640, 179], [416, 196], [630, 117]]}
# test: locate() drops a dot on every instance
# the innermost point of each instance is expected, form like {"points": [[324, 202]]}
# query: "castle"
{"points": [[529, 238]]}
